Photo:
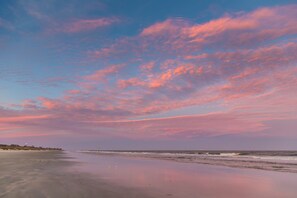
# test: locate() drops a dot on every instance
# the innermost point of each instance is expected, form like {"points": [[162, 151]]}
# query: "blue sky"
{"points": [[148, 71]]}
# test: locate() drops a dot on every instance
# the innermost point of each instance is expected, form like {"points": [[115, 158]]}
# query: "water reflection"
{"points": [[167, 178]]}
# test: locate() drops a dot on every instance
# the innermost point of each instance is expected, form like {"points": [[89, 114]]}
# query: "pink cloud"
{"points": [[160, 79], [168, 26], [83, 25], [188, 69], [179, 36], [250, 66], [209, 124], [49, 103], [101, 74], [256, 85], [147, 67], [245, 70], [25, 134], [130, 82], [22, 118], [74, 92], [12, 121]]}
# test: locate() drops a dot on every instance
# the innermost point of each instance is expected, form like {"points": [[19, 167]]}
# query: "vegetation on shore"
{"points": [[25, 147]]}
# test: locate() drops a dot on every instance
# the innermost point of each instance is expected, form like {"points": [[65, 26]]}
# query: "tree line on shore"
{"points": [[26, 147]]}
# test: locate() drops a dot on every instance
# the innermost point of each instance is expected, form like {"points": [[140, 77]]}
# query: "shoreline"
{"points": [[227, 161], [53, 174], [187, 180]]}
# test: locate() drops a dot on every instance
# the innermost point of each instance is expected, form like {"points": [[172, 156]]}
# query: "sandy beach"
{"points": [[51, 174], [39, 174]]}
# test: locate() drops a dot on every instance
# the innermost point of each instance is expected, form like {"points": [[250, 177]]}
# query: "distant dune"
{"points": [[25, 147]]}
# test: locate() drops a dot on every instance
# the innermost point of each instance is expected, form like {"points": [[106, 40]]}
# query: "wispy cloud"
{"points": [[245, 63], [84, 25], [176, 36]]}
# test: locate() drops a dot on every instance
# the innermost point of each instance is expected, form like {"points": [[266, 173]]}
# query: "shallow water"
{"points": [[163, 178], [282, 161]]}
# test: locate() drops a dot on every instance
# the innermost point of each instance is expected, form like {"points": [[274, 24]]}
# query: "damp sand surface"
{"points": [[30, 174], [75, 174]]}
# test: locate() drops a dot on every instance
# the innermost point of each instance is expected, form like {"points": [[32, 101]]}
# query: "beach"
{"points": [[29, 174], [148, 99], [76, 174]]}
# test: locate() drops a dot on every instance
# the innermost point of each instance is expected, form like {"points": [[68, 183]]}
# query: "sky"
{"points": [[132, 74]]}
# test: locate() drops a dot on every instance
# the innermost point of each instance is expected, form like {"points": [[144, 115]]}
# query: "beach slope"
{"points": [[48, 174]]}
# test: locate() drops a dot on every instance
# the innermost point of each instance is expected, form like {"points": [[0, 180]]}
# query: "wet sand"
{"points": [[168, 178], [52, 174], [48, 174]]}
